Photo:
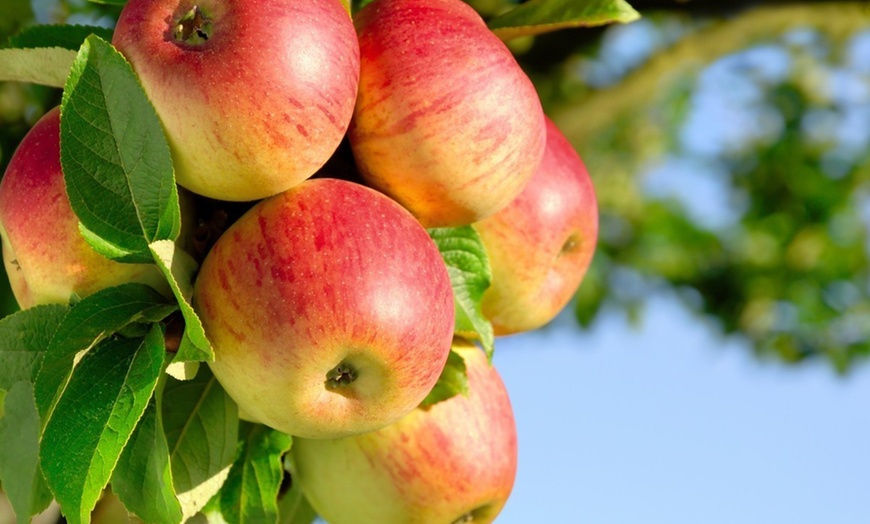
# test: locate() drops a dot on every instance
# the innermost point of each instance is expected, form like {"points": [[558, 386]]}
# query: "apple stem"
{"points": [[340, 376], [194, 28]]}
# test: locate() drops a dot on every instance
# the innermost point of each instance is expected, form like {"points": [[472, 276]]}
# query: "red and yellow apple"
{"points": [[46, 258], [452, 462], [254, 95], [541, 245], [446, 122], [329, 308]]}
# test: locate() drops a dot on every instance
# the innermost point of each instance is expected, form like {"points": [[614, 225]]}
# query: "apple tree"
{"points": [[253, 245]]}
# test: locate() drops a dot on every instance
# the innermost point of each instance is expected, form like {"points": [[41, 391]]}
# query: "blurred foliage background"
{"points": [[730, 154], [728, 142]]}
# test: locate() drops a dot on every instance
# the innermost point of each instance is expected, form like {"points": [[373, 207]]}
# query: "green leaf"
{"points": [[201, 423], [46, 66], [294, 508], [96, 414], [183, 370], [63, 36], [179, 267], [19, 455], [250, 493], [143, 477], [116, 161], [24, 339], [468, 266], [90, 320], [453, 381], [543, 16], [108, 2], [134, 330]]}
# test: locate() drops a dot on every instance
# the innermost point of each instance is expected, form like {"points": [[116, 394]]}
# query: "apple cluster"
{"points": [[328, 305]]}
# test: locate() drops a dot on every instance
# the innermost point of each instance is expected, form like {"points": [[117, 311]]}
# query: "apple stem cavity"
{"points": [[340, 376], [194, 28]]}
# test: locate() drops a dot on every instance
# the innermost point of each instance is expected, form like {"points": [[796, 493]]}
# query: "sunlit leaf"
{"points": [[543, 16]]}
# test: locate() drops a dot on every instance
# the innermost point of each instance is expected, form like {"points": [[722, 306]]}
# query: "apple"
{"points": [[329, 309], [541, 245], [254, 95], [446, 122], [453, 462], [46, 258]]}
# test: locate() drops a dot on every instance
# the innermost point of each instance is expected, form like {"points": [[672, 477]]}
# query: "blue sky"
{"points": [[670, 423]]}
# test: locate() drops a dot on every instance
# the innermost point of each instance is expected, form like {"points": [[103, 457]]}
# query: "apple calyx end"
{"points": [[571, 244], [341, 376], [194, 28], [475, 515]]}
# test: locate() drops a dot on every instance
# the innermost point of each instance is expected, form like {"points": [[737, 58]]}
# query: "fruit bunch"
{"points": [[362, 204]]}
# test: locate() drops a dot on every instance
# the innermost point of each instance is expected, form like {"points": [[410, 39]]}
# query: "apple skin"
{"points": [[260, 105], [540, 246], [446, 122], [325, 275], [46, 258], [455, 459]]}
